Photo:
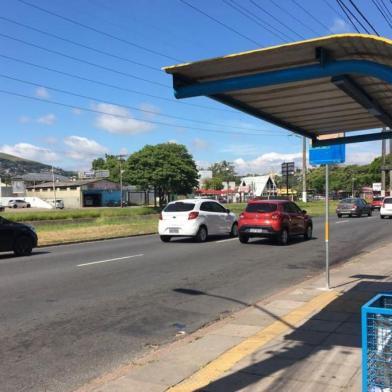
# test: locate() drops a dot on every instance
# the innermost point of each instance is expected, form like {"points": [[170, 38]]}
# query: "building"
{"points": [[79, 193], [203, 176], [258, 186]]}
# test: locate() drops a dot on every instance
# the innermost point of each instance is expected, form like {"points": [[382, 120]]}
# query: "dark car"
{"points": [[280, 219], [353, 206], [17, 237]]}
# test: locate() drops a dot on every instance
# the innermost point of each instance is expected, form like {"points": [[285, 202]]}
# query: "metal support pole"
{"points": [[327, 226], [54, 188], [390, 171], [304, 191], [287, 185], [383, 172], [121, 185]]}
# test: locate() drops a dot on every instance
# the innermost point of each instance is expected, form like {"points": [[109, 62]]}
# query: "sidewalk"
{"points": [[304, 339]]}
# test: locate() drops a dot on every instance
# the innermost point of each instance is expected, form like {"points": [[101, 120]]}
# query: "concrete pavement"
{"points": [[71, 313], [304, 339]]}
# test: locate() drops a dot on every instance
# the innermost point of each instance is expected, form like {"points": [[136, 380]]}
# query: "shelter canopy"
{"points": [[317, 87]]}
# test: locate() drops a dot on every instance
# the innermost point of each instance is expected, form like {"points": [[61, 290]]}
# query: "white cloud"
{"points": [[173, 141], [340, 26], [361, 157], [81, 148], [266, 163], [150, 110], [30, 151], [199, 144], [24, 119], [122, 124], [47, 119], [42, 92], [123, 151], [76, 111], [51, 140]]}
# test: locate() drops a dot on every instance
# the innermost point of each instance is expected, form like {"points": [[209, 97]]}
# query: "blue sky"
{"points": [[71, 138]]}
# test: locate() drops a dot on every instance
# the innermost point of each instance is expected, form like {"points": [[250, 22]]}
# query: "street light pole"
{"points": [[120, 157], [54, 188], [304, 188]]}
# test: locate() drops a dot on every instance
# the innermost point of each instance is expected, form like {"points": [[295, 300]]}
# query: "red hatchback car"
{"points": [[280, 219]]}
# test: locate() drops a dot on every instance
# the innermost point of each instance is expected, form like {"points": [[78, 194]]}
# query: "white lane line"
{"points": [[109, 260], [230, 239], [342, 221]]}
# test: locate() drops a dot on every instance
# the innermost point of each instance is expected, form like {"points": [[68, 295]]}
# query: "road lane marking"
{"points": [[219, 366], [343, 221], [109, 260], [229, 239]]}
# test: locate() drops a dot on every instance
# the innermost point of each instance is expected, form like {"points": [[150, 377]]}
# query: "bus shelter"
{"points": [[333, 90]]}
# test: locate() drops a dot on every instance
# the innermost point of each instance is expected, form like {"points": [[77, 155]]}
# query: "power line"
{"points": [[276, 19], [294, 17], [363, 17], [79, 44], [347, 11], [219, 22], [337, 14], [308, 13], [71, 93], [382, 13], [386, 9], [91, 28], [113, 86], [83, 61], [243, 11], [52, 102]]}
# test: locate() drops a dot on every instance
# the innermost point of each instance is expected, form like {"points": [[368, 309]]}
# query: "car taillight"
{"points": [[353, 206], [242, 215], [193, 215], [160, 216], [275, 216]]}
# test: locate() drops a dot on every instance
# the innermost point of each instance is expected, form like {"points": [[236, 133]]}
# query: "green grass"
{"points": [[53, 215]]}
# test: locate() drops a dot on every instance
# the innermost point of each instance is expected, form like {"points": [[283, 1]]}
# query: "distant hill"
{"points": [[11, 166]]}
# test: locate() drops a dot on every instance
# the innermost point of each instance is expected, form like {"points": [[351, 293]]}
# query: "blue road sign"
{"points": [[327, 155]]}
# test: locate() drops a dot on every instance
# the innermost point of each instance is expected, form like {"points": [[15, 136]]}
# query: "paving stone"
{"points": [[339, 339], [320, 325], [304, 336], [127, 384], [331, 316], [239, 330], [253, 319], [349, 328]]}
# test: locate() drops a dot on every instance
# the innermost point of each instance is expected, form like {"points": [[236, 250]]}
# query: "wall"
{"points": [[70, 197]]}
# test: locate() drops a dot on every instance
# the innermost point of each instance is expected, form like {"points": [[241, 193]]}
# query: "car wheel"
{"points": [[28, 206], [165, 238], [23, 246], [202, 234], [234, 230], [339, 215], [308, 232], [370, 213], [243, 239], [14, 206], [283, 237], [382, 216]]}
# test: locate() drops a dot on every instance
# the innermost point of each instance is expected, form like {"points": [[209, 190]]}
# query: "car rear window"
{"points": [[388, 200], [179, 207], [261, 207], [349, 201]]}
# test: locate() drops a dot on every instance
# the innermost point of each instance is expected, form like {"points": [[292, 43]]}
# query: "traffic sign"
{"points": [[327, 155], [288, 168]]}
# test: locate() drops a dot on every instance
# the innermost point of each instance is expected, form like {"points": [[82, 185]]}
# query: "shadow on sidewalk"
{"points": [[324, 350]]}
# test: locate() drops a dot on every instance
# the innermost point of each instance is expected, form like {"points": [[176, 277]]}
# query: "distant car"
{"points": [[197, 218], [17, 237], [58, 203], [279, 219], [18, 203], [2, 208], [377, 202], [353, 206], [386, 208]]}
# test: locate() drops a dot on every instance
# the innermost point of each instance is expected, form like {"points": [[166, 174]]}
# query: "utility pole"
{"points": [[120, 158], [304, 187], [383, 172], [390, 163], [54, 188]]}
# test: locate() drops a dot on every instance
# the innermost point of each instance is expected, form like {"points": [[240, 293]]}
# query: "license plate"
{"points": [[257, 230], [174, 231]]}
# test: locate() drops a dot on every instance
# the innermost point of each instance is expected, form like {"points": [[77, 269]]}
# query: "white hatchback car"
{"points": [[386, 208], [196, 218]]}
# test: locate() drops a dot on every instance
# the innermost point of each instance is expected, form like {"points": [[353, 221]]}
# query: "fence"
{"points": [[377, 344]]}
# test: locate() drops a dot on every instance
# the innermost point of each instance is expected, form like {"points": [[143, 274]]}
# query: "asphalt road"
{"points": [[70, 313]]}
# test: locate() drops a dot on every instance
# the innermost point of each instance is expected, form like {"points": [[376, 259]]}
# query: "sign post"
{"points": [[288, 169], [325, 156]]}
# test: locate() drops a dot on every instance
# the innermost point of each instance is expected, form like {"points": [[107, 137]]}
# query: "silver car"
{"points": [[18, 203]]}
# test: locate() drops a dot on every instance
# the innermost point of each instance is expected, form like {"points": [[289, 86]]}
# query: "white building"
{"points": [[203, 176], [258, 186]]}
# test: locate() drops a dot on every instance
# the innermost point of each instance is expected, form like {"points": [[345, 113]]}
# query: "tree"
{"points": [[111, 163], [167, 168], [213, 183], [224, 170]]}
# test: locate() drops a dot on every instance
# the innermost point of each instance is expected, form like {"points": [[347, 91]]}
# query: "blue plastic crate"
{"points": [[377, 344]]}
